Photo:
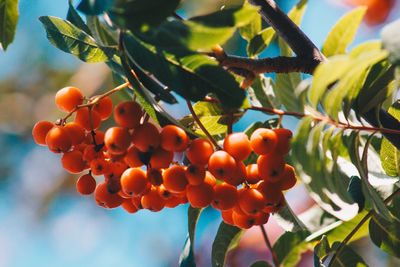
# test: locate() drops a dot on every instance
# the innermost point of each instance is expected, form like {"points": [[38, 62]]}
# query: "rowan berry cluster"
{"points": [[136, 159]]}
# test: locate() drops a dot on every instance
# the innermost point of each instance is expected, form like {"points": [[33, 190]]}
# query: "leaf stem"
{"points": [[268, 243], [200, 124], [357, 227]]}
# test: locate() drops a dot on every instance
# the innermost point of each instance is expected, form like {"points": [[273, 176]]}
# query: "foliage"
{"points": [[169, 60]]}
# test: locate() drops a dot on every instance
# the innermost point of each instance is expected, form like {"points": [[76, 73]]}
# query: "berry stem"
{"points": [[200, 124], [93, 101], [268, 243], [357, 227]]}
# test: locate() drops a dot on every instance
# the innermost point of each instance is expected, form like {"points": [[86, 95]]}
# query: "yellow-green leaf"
{"points": [[343, 33]]}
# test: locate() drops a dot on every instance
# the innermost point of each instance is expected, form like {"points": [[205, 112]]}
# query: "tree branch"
{"points": [[304, 47], [288, 30]]}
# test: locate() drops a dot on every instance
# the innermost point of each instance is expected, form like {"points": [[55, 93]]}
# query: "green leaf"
{"points": [[149, 104], [259, 42], [290, 246], [288, 220], [74, 18], [348, 87], [94, 7], [389, 154], [187, 258], [391, 41], [348, 257], [202, 32], [261, 92], [386, 234], [343, 33], [226, 235], [8, 23], [252, 28], [210, 115], [101, 32], [285, 90], [260, 264], [141, 14], [338, 231], [319, 170], [321, 250], [69, 38], [361, 165], [189, 74], [355, 191]]}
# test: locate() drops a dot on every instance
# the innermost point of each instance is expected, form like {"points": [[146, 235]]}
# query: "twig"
{"points": [[357, 227], [200, 124], [268, 243], [94, 101]]}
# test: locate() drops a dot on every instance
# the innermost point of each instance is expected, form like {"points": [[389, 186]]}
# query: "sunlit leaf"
{"points": [[8, 23], [343, 33], [70, 39], [74, 18], [259, 42], [290, 246]]}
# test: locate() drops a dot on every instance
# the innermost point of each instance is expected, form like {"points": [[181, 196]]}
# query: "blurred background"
{"points": [[44, 222]]}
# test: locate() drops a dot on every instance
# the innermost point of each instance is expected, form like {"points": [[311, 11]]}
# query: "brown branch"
{"points": [[288, 30], [305, 48], [267, 65], [268, 243]]}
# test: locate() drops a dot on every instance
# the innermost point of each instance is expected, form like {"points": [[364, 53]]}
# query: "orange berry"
{"points": [[73, 161], [133, 181], [90, 153], [263, 141], [76, 132], [227, 217], [174, 138], [237, 145], [127, 114], [225, 196], [99, 166], [200, 196], [161, 158], [270, 167], [128, 206], [124, 195], [58, 140], [106, 199], [172, 202], [154, 176], [68, 98], [238, 175], [272, 194], [243, 221], [117, 140], [87, 119], [210, 179], [288, 178], [283, 142], [146, 137], [174, 179], [164, 193], [132, 157], [261, 218], [40, 131], [104, 107], [153, 201], [222, 165], [98, 137], [252, 175], [86, 184], [199, 151], [195, 174], [251, 201], [137, 202]]}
